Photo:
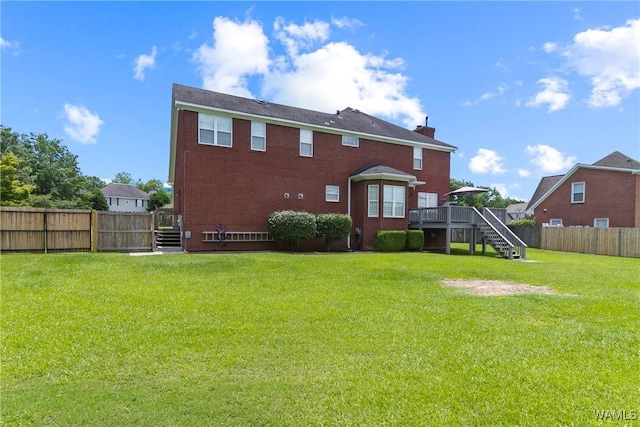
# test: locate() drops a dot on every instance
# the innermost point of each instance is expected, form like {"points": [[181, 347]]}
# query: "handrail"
{"points": [[479, 215], [514, 238]]}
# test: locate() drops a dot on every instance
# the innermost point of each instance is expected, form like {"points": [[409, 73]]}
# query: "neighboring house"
{"points": [[516, 211], [125, 198], [234, 161], [604, 194]]}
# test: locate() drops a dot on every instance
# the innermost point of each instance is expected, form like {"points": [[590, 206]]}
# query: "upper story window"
{"points": [[332, 193], [417, 158], [427, 200], [577, 192], [373, 201], [259, 136], [214, 130], [306, 143], [555, 222], [393, 203], [350, 141]]}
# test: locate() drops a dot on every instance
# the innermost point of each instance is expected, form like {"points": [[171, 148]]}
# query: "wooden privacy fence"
{"points": [[624, 242], [74, 230]]}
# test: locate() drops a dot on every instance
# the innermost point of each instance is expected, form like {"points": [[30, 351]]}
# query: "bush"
{"points": [[332, 227], [527, 222], [292, 226], [415, 240], [390, 240]]}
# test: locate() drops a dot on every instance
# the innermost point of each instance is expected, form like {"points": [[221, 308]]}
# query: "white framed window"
{"points": [[601, 222], [214, 130], [427, 200], [373, 201], [555, 222], [306, 143], [332, 193], [577, 192], [393, 201], [417, 158], [350, 141], [258, 136]]}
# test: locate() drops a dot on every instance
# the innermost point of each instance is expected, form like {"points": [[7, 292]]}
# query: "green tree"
{"points": [[123, 178], [490, 199], [158, 199], [151, 185], [12, 191]]}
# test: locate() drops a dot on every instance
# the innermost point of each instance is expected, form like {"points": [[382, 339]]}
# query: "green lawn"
{"points": [[279, 339]]}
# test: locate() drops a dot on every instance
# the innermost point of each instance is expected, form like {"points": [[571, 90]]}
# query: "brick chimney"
{"points": [[426, 130]]}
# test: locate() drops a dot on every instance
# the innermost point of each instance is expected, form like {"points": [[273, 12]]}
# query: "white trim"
{"points": [[264, 137], [385, 175], [417, 150], [595, 222], [393, 201], [336, 193], [357, 141], [583, 192], [377, 201], [306, 142]]}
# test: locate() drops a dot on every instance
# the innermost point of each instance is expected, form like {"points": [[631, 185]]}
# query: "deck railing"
{"points": [[447, 214]]}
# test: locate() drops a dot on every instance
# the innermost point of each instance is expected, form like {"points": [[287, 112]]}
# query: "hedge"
{"points": [[390, 240], [415, 240]]}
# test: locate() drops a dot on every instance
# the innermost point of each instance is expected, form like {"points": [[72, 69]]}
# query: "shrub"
{"points": [[527, 222], [415, 240], [390, 240], [292, 226], [332, 227]]}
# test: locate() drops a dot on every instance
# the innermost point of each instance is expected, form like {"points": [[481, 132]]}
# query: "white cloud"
{"points": [[576, 14], [82, 125], [549, 159], [143, 62], [345, 22], [549, 47], [239, 49], [500, 91], [501, 188], [314, 72], [486, 161], [523, 173], [610, 58], [12, 47], [297, 37], [555, 94]]}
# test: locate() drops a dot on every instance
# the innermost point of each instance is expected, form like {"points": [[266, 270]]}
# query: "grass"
{"points": [[316, 339]]}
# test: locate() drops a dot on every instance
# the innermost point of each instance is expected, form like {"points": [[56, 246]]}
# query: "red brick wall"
{"points": [[239, 188], [608, 194]]}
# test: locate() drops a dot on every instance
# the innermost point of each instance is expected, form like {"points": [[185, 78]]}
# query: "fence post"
{"points": [[94, 230]]}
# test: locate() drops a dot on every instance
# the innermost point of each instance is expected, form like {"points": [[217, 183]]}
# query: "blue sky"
{"points": [[523, 89]]}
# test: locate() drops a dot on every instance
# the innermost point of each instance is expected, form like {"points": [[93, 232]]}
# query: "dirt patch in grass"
{"points": [[497, 287]]}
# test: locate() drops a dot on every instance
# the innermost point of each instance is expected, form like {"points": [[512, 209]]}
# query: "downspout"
{"points": [[349, 210]]}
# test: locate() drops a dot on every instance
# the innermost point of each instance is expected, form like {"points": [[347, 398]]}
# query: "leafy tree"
{"points": [[490, 199], [151, 185], [158, 199], [96, 200], [123, 178], [12, 191]]}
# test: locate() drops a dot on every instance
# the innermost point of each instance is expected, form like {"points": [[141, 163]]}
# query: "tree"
{"points": [[158, 199], [123, 178], [12, 191], [491, 199], [150, 186], [96, 200]]}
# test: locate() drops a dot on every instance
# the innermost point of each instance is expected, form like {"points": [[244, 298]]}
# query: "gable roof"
{"points": [[615, 161], [380, 171], [618, 160], [124, 191]]}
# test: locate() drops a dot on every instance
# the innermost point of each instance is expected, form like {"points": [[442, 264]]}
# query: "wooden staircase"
{"points": [[499, 236], [168, 239]]}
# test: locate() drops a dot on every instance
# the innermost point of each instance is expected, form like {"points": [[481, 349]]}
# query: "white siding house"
{"points": [[125, 198]]}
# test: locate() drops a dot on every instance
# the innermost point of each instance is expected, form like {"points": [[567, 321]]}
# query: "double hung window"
{"points": [[214, 130]]}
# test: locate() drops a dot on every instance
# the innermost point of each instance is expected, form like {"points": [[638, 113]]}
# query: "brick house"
{"points": [[234, 161], [604, 194]]}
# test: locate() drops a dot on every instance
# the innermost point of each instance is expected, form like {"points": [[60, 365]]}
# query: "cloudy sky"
{"points": [[523, 89]]}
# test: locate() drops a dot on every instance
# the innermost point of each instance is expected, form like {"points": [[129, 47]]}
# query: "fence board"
{"points": [[125, 231], [624, 242]]}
